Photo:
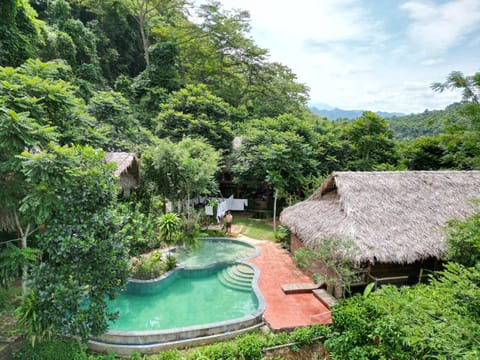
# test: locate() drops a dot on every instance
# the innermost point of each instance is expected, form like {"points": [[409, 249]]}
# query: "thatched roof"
{"points": [[128, 169], [391, 217]]}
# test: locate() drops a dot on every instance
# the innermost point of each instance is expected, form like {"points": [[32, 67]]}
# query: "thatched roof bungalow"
{"points": [[128, 170], [389, 217]]}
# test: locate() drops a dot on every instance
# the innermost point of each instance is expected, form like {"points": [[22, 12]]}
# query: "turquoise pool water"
{"points": [[190, 297], [214, 251]]}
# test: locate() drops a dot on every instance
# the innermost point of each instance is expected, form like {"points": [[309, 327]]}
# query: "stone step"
{"points": [[239, 272], [327, 299], [236, 277]]}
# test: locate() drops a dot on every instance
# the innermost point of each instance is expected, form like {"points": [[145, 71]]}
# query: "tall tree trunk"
{"points": [[146, 45], [23, 236], [275, 211]]}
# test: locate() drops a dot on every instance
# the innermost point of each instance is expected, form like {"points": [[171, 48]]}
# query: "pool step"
{"points": [[237, 277]]}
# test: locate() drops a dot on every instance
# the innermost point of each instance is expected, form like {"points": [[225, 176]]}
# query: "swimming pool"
{"points": [[186, 298], [212, 251], [211, 294]]}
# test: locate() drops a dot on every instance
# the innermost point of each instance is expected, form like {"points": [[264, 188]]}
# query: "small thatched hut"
{"points": [[394, 220], [128, 170]]}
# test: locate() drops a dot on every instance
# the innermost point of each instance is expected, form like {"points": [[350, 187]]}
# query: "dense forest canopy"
{"points": [[176, 85]]}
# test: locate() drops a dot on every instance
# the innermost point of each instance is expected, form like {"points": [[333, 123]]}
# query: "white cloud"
{"points": [[356, 54], [438, 27], [324, 21], [432, 61]]}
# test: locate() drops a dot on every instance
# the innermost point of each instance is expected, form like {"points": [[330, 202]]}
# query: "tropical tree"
{"points": [[116, 121], [21, 34], [278, 152], [183, 170], [195, 112], [151, 13], [461, 139], [371, 141], [83, 258], [41, 89], [18, 132]]}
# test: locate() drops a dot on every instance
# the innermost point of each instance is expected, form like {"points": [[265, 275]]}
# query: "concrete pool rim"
{"points": [[124, 342]]}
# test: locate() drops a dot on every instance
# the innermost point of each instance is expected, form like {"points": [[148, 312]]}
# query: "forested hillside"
{"points": [[428, 123], [178, 85]]}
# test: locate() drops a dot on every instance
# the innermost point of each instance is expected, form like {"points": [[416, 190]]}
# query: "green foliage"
{"points": [[8, 298], [308, 335], [123, 131], [12, 262], [222, 350], [332, 254], [463, 241], [138, 229], [182, 171], [372, 142], [169, 226], [195, 112], [429, 123], [169, 355], [52, 349], [250, 346], [150, 266], [439, 320], [20, 32], [41, 90], [283, 236], [170, 262], [84, 260], [277, 151], [303, 257]]}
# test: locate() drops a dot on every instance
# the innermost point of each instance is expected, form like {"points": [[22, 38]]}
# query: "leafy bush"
{"points": [[283, 236], [149, 267], [250, 346], [308, 335], [170, 262], [8, 298], [53, 349], [425, 321], [223, 351], [464, 241], [138, 229], [169, 355]]}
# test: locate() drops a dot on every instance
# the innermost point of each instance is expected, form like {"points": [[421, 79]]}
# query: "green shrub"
{"points": [[308, 335], [277, 339], [170, 262], [169, 355], [434, 321], [250, 346], [283, 236], [149, 267], [219, 351], [8, 298], [53, 349]]}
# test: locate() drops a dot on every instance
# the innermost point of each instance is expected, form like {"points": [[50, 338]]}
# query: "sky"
{"points": [[379, 55]]}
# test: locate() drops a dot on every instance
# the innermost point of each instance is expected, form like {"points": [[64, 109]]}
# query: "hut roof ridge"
{"points": [[391, 216]]}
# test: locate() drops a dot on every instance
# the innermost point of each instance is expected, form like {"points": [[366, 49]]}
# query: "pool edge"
{"points": [[125, 342]]}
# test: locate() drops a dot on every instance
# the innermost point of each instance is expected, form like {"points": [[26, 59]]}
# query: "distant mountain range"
{"points": [[335, 113]]}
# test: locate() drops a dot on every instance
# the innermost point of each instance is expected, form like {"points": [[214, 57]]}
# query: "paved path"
{"points": [[285, 311]]}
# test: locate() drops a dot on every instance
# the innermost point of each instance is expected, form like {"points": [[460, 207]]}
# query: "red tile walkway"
{"points": [[286, 311]]}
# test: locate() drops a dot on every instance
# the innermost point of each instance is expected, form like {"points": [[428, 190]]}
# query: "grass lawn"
{"points": [[256, 229]]}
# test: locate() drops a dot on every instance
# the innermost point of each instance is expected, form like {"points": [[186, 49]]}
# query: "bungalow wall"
{"points": [[402, 274], [381, 273]]}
